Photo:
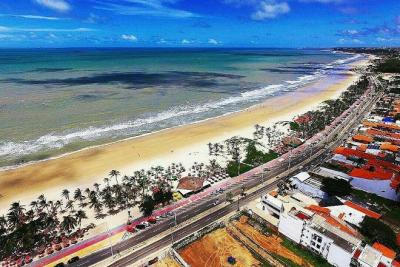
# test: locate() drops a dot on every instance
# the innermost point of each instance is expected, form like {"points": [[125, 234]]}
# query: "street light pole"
{"points": [[109, 238], [172, 233]]}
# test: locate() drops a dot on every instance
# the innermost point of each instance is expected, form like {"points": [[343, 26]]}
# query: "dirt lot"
{"points": [[167, 262], [270, 243], [214, 249]]}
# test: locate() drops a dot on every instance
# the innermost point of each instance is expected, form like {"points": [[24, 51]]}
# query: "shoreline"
{"points": [[88, 165]]}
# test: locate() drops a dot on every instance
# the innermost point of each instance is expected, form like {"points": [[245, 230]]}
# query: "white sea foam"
{"points": [[9, 149]]}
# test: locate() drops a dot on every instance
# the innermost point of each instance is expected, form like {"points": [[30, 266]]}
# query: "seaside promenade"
{"points": [[186, 208]]}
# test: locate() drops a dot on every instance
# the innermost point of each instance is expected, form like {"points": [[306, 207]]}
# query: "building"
{"points": [[318, 234], [304, 222], [352, 213], [190, 185], [376, 255], [308, 185]]}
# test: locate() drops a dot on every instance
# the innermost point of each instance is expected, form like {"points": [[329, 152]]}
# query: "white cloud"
{"points": [[323, 1], [157, 8], [129, 37], [351, 32], [11, 29], [350, 41], [162, 41], [270, 10], [30, 17], [58, 5], [186, 41], [213, 41]]}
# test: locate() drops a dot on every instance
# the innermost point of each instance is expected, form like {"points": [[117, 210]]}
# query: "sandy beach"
{"points": [[184, 144]]}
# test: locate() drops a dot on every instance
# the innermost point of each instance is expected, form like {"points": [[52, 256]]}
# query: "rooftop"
{"points": [[191, 183], [387, 252], [367, 212]]}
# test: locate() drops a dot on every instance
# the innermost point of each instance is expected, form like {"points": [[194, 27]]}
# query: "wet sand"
{"points": [[180, 144]]}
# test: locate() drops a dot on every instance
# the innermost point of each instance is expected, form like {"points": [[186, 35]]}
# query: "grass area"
{"points": [[286, 262], [390, 208], [254, 158], [305, 254]]}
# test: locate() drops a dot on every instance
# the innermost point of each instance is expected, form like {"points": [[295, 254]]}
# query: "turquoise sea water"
{"points": [[54, 101]]}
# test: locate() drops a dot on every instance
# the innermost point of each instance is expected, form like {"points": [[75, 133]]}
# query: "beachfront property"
{"points": [[327, 231], [370, 159], [191, 185]]}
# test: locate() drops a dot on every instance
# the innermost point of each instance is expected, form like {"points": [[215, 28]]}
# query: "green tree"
{"points": [[147, 206], [335, 187], [375, 230]]}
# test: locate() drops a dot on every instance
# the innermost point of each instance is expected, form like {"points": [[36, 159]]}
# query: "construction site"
{"points": [[238, 241]]}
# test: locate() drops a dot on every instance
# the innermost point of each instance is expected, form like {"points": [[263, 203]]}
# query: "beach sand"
{"points": [[184, 144]]}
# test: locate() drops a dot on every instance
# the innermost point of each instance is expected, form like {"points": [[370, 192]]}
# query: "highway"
{"points": [[313, 155]]}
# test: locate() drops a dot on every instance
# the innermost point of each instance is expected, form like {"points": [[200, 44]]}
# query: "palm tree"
{"points": [[97, 186], [79, 196], [65, 193], [107, 181], [16, 214], [35, 205], [114, 173], [70, 205], [79, 216], [69, 223]]}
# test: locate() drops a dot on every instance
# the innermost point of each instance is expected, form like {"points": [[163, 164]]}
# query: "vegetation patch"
{"points": [[307, 255]]}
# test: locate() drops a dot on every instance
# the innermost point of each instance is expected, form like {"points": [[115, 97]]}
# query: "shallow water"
{"points": [[54, 101]]}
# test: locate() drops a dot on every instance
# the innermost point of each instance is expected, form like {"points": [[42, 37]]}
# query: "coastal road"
{"points": [[311, 156]]}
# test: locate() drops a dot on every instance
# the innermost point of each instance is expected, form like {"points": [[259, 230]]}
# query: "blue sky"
{"points": [[199, 23]]}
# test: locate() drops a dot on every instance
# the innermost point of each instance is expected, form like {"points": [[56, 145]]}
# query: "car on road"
{"points": [[140, 226], [73, 260], [146, 224], [60, 264]]}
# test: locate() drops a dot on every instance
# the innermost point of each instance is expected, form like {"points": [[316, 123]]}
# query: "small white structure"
{"points": [[376, 256], [329, 173], [307, 185], [313, 232], [352, 213]]}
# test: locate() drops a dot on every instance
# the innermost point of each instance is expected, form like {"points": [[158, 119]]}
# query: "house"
{"points": [[376, 255], [190, 185], [318, 234], [308, 185], [352, 212], [304, 222]]}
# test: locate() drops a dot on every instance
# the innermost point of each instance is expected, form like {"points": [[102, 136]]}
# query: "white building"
{"points": [[376, 256], [315, 233], [352, 213], [324, 230], [308, 185]]}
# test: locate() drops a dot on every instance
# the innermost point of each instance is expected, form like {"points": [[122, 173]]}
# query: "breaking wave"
{"points": [[9, 149]]}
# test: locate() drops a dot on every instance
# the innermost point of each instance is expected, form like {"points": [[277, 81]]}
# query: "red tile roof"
{"points": [[387, 252], [367, 212], [191, 183], [318, 209], [362, 138]]}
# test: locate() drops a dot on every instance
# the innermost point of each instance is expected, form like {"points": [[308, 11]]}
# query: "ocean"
{"points": [[55, 101]]}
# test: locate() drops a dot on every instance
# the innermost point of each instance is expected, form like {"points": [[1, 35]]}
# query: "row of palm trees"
{"points": [[331, 109], [28, 227]]}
